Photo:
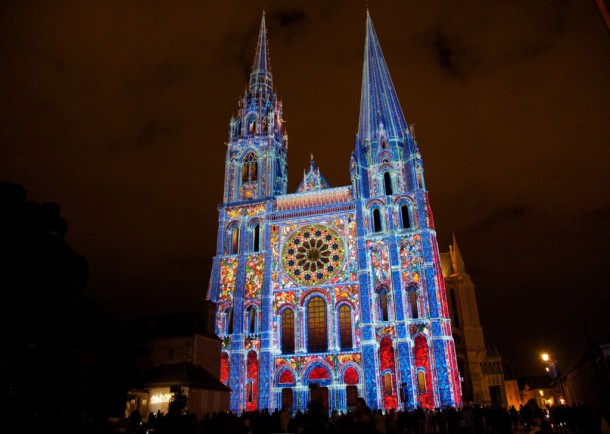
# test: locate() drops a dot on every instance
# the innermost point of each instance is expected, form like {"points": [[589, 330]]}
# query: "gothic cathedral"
{"points": [[330, 294]]}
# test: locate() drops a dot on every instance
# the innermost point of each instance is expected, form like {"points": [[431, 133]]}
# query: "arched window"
{"points": [[229, 320], [387, 183], [383, 305], [345, 327], [404, 217], [251, 319], [317, 338], [421, 382], [249, 170], [387, 382], [376, 220], [256, 238], [413, 303], [288, 331], [234, 240], [384, 144], [252, 125]]}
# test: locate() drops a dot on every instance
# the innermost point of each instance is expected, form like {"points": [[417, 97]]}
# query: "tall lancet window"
{"points": [[234, 240], [387, 183], [383, 305], [345, 327], [251, 320], [404, 216], [287, 331], [249, 171], [413, 303], [256, 238], [376, 220], [317, 338]]}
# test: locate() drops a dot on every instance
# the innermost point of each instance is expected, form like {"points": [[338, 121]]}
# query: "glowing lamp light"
{"points": [[160, 397], [541, 392], [545, 357]]}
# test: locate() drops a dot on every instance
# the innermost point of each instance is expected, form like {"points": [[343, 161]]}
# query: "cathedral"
{"points": [[330, 293]]}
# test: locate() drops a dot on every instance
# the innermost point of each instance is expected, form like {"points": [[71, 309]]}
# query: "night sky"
{"points": [[119, 111]]}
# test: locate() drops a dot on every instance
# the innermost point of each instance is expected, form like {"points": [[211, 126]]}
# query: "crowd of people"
{"points": [[471, 419]]}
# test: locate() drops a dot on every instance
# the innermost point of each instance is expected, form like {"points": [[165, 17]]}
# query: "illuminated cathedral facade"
{"points": [[330, 294]]}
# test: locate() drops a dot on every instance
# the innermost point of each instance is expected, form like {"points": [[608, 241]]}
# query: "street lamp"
{"points": [[551, 368]]}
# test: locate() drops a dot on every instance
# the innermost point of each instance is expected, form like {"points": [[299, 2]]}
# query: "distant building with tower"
{"points": [[328, 293], [480, 367]]}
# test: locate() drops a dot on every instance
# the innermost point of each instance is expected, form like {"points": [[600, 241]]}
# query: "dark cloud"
{"points": [[452, 56], [499, 217]]}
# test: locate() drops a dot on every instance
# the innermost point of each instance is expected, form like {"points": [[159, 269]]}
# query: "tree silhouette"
{"points": [[59, 363]]}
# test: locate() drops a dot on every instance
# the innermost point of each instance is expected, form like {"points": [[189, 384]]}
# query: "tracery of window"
{"points": [[256, 238], [317, 338], [249, 171], [387, 183], [383, 304], [404, 217], [288, 331], [345, 327], [376, 220]]}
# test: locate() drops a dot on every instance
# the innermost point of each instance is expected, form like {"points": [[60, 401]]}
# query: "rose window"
{"points": [[313, 255]]}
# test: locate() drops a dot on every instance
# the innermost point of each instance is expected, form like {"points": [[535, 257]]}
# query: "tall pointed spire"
{"points": [[379, 106], [260, 77]]}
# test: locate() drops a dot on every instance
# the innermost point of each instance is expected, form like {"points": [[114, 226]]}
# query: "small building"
{"points": [[587, 380], [179, 350]]}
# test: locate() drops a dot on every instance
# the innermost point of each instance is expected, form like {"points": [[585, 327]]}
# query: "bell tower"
{"points": [[256, 153]]}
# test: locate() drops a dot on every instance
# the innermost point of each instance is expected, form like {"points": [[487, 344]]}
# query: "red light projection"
{"points": [[422, 366], [252, 382], [350, 376], [224, 368], [286, 377], [318, 373], [388, 368]]}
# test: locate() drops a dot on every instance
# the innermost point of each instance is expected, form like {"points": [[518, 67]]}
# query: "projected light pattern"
{"points": [[330, 293]]}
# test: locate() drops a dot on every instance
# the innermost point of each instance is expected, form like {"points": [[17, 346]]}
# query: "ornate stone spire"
{"points": [[379, 106], [260, 77]]}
